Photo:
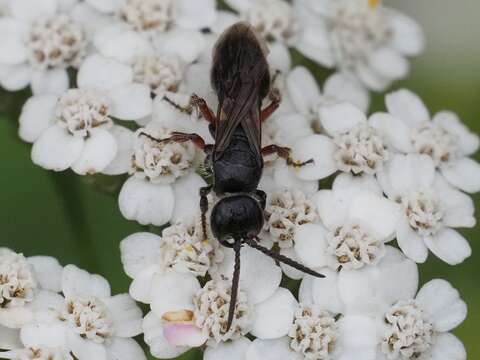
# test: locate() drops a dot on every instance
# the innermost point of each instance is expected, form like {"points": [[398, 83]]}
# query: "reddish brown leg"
{"points": [[202, 106], [180, 137], [270, 109], [284, 153]]}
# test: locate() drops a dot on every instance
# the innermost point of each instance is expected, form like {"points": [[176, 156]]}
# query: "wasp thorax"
{"points": [[160, 72], [147, 15], [161, 162], [274, 20], [360, 149], [285, 211], [408, 332], [88, 317], [211, 312], [358, 30], [351, 247], [57, 41], [424, 212], [314, 333], [80, 111], [17, 282], [436, 142], [185, 249]]}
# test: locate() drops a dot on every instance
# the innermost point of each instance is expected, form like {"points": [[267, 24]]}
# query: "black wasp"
{"points": [[241, 79]]}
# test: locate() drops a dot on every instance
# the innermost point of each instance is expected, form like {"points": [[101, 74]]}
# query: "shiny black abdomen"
{"points": [[237, 168]]}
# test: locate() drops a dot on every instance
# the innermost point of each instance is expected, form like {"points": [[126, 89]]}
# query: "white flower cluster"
{"points": [[62, 313], [109, 78]]}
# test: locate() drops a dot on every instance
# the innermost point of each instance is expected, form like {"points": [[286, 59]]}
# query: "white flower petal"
{"points": [[373, 289], [467, 141], [271, 350], [178, 334], [289, 271], [325, 291], [410, 173], [389, 63], [314, 42], [274, 316], [16, 77], [48, 272], [56, 149], [292, 127], [122, 161], [173, 292], [99, 72], [125, 349], [310, 245], [358, 339], [279, 57], [346, 88], [142, 284], [234, 350], [37, 115], [407, 106], [53, 335], [100, 149], [126, 315], [449, 246], [85, 349], [12, 33], [396, 132], [78, 282], [259, 276], [305, 293], [90, 18], [187, 197], [340, 117], [352, 184], [140, 251], [188, 44], [196, 14], [320, 148], [131, 102], [147, 203], [16, 317], [52, 81], [412, 244], [284, 177], [443, 304], [378, 214], [408, 37], [104, 5], [9, 338], [29, 11], [121, 44], [302, 89], [448, 347], [463, 173], [154, 337]]}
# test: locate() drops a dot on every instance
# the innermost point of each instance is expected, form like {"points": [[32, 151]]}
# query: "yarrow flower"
{"points": [[409, 128], [85, 322], [40, 41], [351, 144], [362, 38]]}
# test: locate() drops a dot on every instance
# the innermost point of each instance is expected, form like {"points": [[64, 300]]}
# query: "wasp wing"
{"points": [[241, 79]]}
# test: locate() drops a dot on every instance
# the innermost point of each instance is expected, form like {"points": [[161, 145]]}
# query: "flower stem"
{"points": [[67, 187]]}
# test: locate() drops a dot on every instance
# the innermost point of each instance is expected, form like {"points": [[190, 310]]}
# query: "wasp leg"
{"points": [[285, 153], [184, 109], [180, 137], [204, 191], [204, 109], [237, 246], [276, 256], [270, 109]]}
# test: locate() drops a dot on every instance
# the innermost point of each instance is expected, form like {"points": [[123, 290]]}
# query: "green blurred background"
{"points": [[64, 216]]}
